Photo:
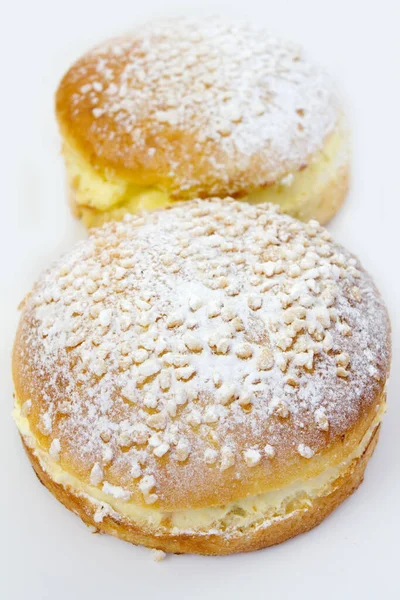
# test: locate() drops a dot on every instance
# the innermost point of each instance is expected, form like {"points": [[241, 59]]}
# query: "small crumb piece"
{"points": [[99, 367], [185, 373], [149, 368], [136, 471], [165, 380], [254, 302], [182, 398], [171, 408], [125, 440], [238, 324], [210, 456], [252, 457], [192, 342], [195, 303], [46, 424], [102, 511], [228, 314], [116, 491], [174, 320], [151, 498], [226, 394], [341, 372], [284, 342], [213, 310], [191, 323], [265, 361], [343, 359], [161, 449], [211, 415], [154, 440], [96, 474], [245, 399], [217, 379], [269, 451], [147, 483], [345, 329], [177, 360], [223, 346], [194, 418], [282, 362], [294, 271], [244, 351], [287, 180], [140, 356], [322, 315], [158, 555], [54, 449], [227, 458], [182, 450], [105, 317], [108, 455], [167, 259], [105, 436], [26, 408], [161, 346], [280, 408], [192, 393], [301, 359], [321, 419], [305, 451], [157, 421], [292, 381]]}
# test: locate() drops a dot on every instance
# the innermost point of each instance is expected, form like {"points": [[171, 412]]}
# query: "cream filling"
{"points": [[102, 191], [294, 191], [241, 513]]}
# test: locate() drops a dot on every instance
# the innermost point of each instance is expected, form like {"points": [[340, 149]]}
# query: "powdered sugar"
{"points": [[230, 89], [250, 382]]}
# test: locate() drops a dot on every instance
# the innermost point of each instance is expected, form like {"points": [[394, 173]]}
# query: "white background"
{"points": [[45, 552]]}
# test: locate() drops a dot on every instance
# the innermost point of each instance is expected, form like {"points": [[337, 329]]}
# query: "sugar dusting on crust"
{"points": [[212, 337], [231, 90]]}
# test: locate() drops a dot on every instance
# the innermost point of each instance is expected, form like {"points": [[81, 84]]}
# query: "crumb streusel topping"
{"points": [[202, 340]]}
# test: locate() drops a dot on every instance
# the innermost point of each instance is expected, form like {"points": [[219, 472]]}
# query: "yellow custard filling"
{"points": [[98, 195], [241, 513]]}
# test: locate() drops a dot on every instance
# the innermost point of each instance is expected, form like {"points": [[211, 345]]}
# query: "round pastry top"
{"points": [[198, 106], [201, 353]]}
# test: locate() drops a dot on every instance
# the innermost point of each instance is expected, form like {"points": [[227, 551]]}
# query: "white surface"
{"points": [[46, 553]]}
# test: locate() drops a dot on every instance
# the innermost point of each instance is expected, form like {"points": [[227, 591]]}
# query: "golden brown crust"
{"points": [[322, 414], [197, 108], [253, 539]]}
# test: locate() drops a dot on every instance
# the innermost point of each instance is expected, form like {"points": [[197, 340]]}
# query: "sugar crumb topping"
{"points": [[128, 385], [229, 88]]}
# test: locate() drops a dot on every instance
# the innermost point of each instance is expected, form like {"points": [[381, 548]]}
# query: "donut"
{"points": [[181, 109], [207, 378]]}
